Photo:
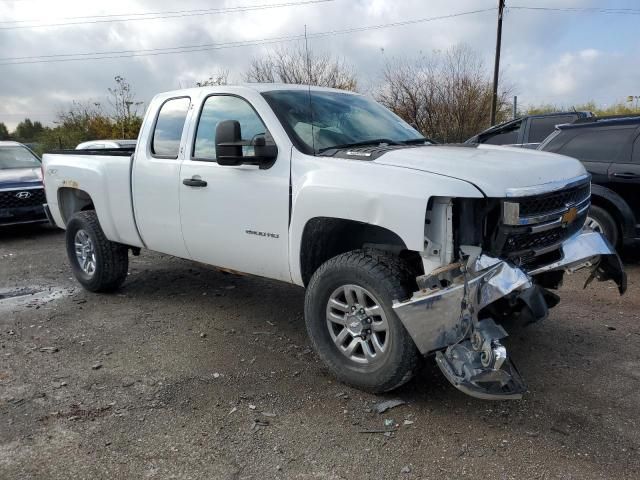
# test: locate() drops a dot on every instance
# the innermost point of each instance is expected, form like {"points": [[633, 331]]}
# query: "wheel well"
{"points": [[602, 202], [73, 200], [324, 238]]}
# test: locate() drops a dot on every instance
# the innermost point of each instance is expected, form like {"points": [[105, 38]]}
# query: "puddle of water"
{"points": [[18, 292], [30, 296]]}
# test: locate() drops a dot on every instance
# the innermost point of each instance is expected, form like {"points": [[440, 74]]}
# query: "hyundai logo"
{"points": [[23, 195]]}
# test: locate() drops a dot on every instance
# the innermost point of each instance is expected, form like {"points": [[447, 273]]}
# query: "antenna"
{"points": [[306, 52]]}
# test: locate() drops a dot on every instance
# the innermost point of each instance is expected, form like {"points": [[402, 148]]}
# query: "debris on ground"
{"points": [[49, 349], [96, 366], [388, 405]]}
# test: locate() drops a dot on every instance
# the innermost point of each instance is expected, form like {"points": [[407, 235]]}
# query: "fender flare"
{"points": [[622, 210]]}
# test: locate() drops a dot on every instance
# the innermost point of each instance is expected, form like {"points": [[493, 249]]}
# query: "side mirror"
{"points": [[229, 145]]}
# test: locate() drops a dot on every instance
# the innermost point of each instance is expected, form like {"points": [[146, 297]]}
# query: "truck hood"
{"points": [[20, 177], [492, 169]]}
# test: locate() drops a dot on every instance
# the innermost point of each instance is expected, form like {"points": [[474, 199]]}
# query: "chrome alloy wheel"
{"points": [[357, 324], [592, 224], [85, 252]]}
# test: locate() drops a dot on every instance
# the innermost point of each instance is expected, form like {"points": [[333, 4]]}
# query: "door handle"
{"points": [[194, 182], [626, 175]]}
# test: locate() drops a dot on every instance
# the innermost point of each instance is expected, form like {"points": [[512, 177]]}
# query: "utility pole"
{"points": [[515, 107], [496, 66]]}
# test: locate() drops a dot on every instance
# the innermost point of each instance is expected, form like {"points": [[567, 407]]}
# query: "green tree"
{"points": [[125, 109], [591, 106], [27, 131], [4, 132]]}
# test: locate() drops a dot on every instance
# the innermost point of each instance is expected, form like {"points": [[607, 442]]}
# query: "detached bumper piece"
{"points": [[443, 316]]}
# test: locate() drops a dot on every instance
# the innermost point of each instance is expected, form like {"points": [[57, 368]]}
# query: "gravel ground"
{"points": [[188, 372]]}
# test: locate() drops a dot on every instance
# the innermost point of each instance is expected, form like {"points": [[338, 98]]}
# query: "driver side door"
{"points": [[235, 217]]}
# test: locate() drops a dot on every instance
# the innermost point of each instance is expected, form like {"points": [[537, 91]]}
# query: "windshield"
{"points": [[339, 120], [17, 157]]}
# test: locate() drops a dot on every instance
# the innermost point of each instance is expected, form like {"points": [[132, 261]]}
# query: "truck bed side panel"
{"points": [[106, 179]]}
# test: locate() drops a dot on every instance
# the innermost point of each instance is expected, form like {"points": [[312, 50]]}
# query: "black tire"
{"points": [[387, 278], [112, 259], [607, 222]]}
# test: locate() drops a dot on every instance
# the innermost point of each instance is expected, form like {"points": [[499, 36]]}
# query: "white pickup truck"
{"points": [[406, 249]]}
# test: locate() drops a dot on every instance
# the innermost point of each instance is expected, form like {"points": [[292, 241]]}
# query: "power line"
{"points": [[608, 11], [137, 17], [71, 57]]}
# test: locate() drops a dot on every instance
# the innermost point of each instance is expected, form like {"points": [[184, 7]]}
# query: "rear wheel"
{"points": [[97, 263], [601, 221], [351, 322]]}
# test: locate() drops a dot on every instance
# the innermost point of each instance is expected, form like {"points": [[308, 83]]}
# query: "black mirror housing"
{"points": [[229, 146], [229, 143]]}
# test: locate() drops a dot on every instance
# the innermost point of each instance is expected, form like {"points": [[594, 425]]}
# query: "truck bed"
{"points": [[104, 175]]}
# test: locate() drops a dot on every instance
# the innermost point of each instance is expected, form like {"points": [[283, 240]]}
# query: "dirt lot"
{"points": [[192, 373]]}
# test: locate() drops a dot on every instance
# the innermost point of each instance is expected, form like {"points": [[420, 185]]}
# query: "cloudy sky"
{"points": [[560, 57]]}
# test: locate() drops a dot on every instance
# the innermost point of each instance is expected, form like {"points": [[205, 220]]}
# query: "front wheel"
{"points": [[97, 263], [351, 322]]}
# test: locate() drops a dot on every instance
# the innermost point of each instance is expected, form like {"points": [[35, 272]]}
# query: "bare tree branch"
{"points": [[447, 95], [291, 66]]}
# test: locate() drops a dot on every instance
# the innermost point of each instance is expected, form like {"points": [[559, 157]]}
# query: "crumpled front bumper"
{"points": [[446, 317]]}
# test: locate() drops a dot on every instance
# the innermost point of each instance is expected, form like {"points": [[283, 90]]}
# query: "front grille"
{"points": [[16, 198], [532, 241], [544, 221], [554, 201]]}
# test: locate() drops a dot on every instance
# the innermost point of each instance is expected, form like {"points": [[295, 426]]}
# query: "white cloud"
{"points": [[536, 58]]}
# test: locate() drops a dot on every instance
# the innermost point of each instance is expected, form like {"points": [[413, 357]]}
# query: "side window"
{"points": [[598, 145], [218, 108], [542, 127], [505, 136], [169, 126]]}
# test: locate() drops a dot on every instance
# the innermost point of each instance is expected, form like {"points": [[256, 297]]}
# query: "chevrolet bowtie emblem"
{"points": [[569, 216]]}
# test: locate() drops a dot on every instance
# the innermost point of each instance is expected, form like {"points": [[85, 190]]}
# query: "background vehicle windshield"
{"points": [[17, 157], [338, 119]]}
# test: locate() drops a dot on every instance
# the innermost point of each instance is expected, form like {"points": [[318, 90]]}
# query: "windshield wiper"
{"points": [[417, 140], [375, 141]]}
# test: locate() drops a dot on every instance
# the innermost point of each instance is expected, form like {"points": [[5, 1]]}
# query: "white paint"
{"points": [[210, 224]]}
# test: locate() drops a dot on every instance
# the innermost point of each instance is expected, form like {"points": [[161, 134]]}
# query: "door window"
{"points": [[218, 108], [598, 145], [168, 130]]}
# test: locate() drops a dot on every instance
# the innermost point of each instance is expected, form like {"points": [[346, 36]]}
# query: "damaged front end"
{"points": [[460, 309]]}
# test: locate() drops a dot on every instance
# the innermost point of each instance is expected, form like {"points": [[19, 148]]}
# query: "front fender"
{"points": [[390, 197]]}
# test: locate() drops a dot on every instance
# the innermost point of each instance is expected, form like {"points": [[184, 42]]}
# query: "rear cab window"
{"points": [[541, 127], [507, 135], [167, 132]]}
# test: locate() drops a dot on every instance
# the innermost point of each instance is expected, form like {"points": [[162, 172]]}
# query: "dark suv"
{"points": [[526, 131], [609, 148]]}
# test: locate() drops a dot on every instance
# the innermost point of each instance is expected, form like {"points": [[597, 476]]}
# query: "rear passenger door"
{"points": [[156, 178], [597, 148], [624, 172]]}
